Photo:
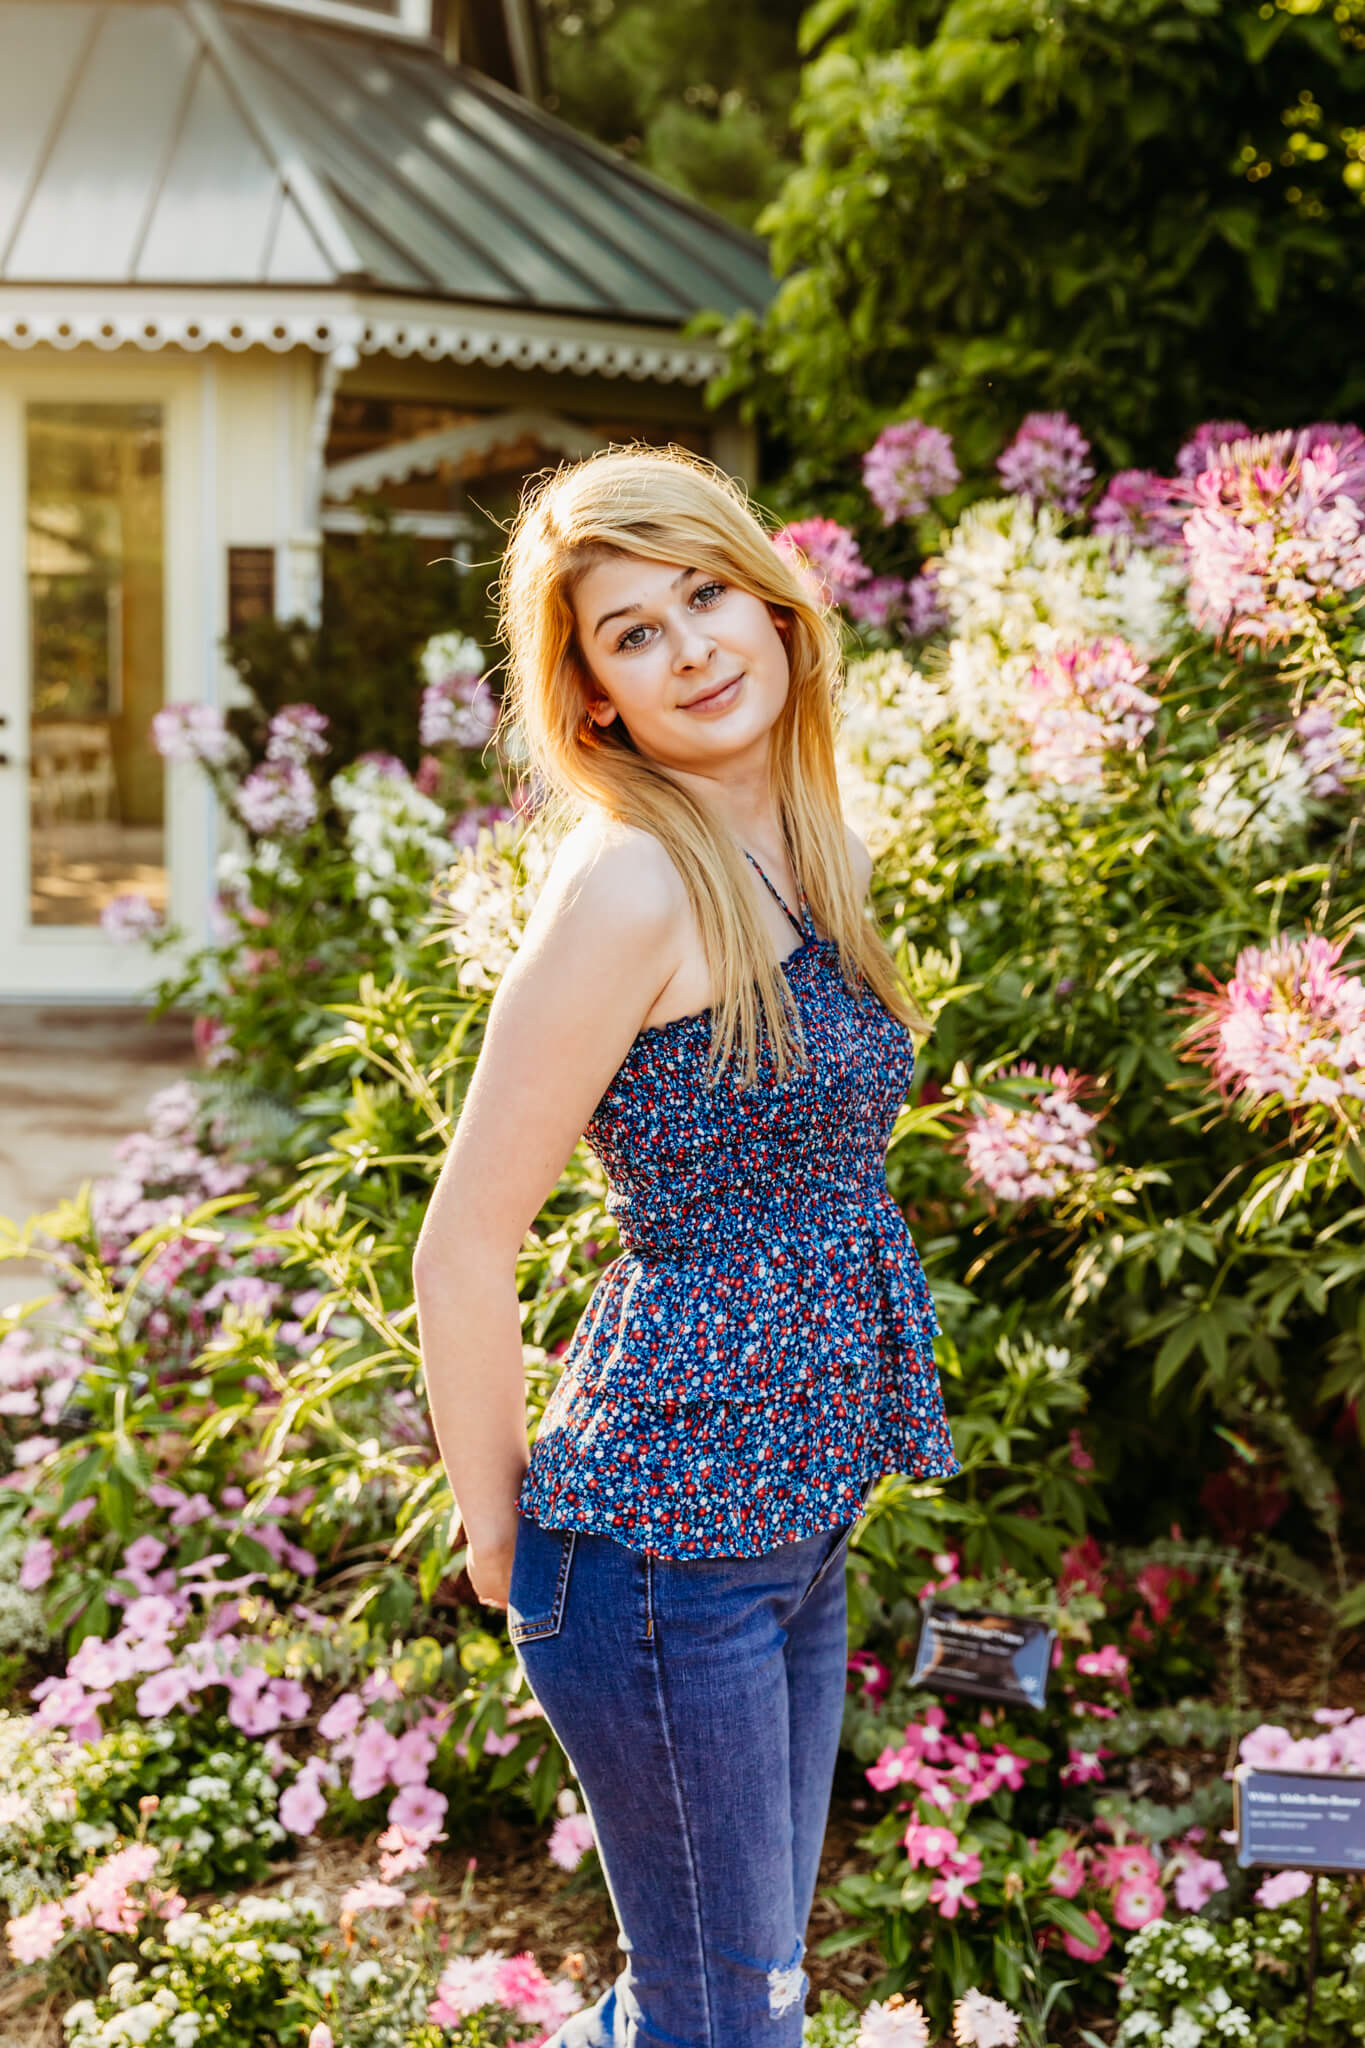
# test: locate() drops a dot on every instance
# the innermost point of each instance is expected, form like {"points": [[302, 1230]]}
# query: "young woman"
{"points": [[699, 993]]}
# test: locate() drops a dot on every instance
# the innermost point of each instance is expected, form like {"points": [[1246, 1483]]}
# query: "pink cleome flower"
{"points": [[907, 467], [1288, 1028], [1084, 703], [1275, 537], [32, 1936], [1032, 1155], [826, 554], [1140, 507]]}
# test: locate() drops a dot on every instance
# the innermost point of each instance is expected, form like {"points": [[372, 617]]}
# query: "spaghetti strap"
{"points": [[802, 923]]}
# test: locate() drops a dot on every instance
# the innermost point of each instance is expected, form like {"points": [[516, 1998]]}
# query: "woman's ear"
{"points": [[781, 619]]}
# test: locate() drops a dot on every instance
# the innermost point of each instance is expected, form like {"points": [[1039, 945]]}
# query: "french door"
{"points": [[95, 617]]}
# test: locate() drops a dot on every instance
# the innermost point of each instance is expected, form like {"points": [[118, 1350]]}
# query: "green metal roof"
{"points": [[171, 142]]}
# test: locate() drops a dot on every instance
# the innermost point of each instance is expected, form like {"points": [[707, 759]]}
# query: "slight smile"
{"points": [[718, 698]]}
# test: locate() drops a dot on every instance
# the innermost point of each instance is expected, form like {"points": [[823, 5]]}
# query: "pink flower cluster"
{"points": [[37, 1374], [277, 800], [1128, 1872], [1082, 704], [298, 732], [1341, 1746], [458, 711], [193, 732], [131, 917], [946, 1771], [1048, 462], [161, 1172], [516, 1983], [1032, 1155], [1287, 1026], [907, 467], [102, 1898], [1277, 531], [827, 555]]}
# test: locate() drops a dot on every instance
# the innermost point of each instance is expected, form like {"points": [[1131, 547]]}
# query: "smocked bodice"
{"points": [[764, 1342]]}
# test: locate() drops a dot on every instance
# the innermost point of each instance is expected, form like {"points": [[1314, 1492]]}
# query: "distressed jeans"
{"points": [[699, 1703]]}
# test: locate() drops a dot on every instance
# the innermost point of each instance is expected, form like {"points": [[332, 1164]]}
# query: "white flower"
{"points": [[1254, 792], [367, 1972], [1184, 2030]]}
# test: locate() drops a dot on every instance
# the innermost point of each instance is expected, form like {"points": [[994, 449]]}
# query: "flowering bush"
{"points": [[1192, 1981]]}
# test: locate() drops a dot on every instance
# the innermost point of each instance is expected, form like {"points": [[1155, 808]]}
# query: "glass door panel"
{"points": [[96, 570]]}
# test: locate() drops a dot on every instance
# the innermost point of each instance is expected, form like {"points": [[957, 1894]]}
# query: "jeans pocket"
{"points": [[540, 1580]]}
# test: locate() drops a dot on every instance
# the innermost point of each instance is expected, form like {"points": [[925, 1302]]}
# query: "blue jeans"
{"points": [[699, 1702]]}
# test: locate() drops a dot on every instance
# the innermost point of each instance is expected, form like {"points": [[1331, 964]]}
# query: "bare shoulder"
{"points": [[861, 858], [614, 879]]}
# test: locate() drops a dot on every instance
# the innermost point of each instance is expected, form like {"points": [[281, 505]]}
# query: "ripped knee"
{"points": [[787, 1984]]}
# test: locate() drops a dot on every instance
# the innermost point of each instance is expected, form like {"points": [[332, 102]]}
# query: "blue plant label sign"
{"points": [[1299, 1820], [1003, 1657]]}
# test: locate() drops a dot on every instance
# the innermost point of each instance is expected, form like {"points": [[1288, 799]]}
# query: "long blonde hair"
{"points": [[667, 505]]}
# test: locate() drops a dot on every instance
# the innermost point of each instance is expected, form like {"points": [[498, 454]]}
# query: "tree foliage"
{"points": [[1146, 212], [698, 94]]}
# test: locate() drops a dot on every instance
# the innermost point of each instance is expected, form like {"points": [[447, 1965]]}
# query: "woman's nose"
{"points": [[692, 644]]}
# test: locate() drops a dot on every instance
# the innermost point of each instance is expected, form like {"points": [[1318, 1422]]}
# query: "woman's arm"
{"points": [[603, 939]]}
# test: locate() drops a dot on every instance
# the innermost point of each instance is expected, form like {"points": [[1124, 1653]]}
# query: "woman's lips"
{"points": [[719, 699]]}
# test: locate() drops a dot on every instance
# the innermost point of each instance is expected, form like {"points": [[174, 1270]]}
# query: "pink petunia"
{"points": [[418, 1810], [1095, 1950], [1137, 1901], [1282, 1887], [163, 1692], [342, 1718]]}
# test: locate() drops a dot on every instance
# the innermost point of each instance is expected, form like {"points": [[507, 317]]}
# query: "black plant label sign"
{"points": [[1002, 1657], [1299, 1820]]}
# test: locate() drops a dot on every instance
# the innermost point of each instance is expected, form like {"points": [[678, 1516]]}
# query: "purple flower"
{"points": [[1139, 506], [1048, 462], [277, 799], [1201, 450], [827, 555], [908, 465], [130, 917], [925, 611], [876, 602], [298, 732], [193, 732]]}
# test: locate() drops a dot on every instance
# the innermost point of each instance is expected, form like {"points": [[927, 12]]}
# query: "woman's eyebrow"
{"points": [[627, 611]]}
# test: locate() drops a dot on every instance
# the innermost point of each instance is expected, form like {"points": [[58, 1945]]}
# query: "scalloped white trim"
{"points": [[533, 342]]}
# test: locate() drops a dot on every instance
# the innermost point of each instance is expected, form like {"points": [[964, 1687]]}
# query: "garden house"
{"points": [[258, 263]]}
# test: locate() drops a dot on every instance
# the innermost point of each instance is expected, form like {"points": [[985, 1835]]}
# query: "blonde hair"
{"points": [[667, 505]]}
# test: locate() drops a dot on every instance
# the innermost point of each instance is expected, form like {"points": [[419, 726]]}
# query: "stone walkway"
{"points": [[72, 1083]]}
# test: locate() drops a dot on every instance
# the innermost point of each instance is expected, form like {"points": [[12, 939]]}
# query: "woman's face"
{"points": [[695, 667]]}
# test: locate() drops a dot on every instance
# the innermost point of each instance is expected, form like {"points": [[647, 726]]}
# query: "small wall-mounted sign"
{"points": [[251, 586], [988, 1656], [1299, 1820]]}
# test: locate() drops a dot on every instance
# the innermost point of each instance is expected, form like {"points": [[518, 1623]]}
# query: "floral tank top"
{"points": [[762, 1348]]}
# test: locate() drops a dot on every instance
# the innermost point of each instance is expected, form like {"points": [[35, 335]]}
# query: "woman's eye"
{"points": [[708, 593], [628, 640]]}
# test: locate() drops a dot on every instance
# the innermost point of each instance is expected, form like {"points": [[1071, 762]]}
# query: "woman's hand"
{"points": [[489, 1565]]}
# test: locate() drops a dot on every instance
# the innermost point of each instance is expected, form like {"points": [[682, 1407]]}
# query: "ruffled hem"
{"points": [[726, 1478]]}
